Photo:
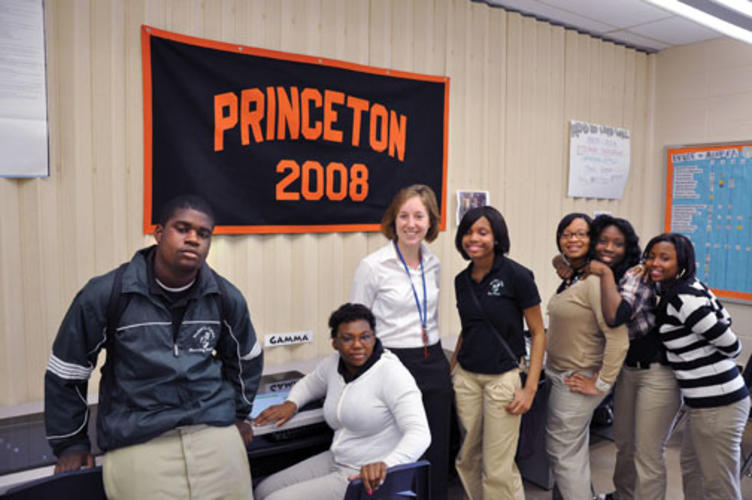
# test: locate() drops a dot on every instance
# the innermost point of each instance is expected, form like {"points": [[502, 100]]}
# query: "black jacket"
{"points": [[154, 379]]}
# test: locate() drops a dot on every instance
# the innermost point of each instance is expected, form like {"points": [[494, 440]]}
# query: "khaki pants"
{"points": [[568, 436], [485, 463], [645, 405], [711, 451], [192, 462]]}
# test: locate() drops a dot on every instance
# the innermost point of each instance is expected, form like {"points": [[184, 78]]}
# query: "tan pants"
{"points": [[485, 463], [568, 435], [711, 451], [192, 462], [645, 405]]}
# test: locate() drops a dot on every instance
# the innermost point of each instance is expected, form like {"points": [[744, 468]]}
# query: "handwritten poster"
{"points": [[598, 160]]}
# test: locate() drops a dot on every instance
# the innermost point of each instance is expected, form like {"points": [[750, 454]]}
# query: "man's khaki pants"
{"points": [[192, 462]]}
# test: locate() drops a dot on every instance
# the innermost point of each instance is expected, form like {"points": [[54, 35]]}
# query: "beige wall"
{"points": [[515, 84], [704, 94]]}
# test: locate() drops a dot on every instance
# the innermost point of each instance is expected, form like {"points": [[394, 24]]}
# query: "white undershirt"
{"points": [[177, 289]]}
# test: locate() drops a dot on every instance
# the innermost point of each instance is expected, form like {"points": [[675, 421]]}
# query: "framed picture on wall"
{"points": [[470, 199]]}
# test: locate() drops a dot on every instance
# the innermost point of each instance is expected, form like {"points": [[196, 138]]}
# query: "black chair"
{"points": [[83, 484], [402, 481]]}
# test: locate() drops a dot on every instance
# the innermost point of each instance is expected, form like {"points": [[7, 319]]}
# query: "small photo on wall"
{"points": [[470, 199]]}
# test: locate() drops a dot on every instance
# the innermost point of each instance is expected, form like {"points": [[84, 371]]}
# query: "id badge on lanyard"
{"points": [[423, 314]]}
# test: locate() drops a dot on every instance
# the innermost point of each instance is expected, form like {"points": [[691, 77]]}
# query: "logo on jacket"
{"points": [[494, 288], [204, 339]]}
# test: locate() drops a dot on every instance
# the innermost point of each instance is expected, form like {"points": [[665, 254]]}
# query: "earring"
{"points": [[681, 274]]}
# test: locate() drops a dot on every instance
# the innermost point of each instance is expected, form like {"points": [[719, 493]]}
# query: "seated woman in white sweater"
{"points": [[371, 402]]}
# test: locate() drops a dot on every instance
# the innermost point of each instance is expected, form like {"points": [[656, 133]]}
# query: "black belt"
{"points": [[642, 365]]}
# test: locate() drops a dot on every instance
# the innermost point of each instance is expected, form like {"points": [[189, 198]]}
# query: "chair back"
{"points": [[408, 481], [83, 484]]}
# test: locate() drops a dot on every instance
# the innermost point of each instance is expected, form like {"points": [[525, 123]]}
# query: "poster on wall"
{"points": [[23, 90], [470, 199], [598, 160], [708, 200], [285, 143]]}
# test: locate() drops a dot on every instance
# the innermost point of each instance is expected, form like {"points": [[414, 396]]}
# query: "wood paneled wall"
{"points": [[515, 84]]}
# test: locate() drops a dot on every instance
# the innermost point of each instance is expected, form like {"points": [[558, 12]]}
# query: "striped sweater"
{"points": [[696, 332]]}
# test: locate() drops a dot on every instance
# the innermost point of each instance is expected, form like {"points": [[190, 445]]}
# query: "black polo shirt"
{"points": [[504, 293]]}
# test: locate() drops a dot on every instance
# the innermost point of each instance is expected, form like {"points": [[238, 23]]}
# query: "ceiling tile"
{"points": [[636, 40], [634, 22], [619, 13], [675, 31], [556, 15]]}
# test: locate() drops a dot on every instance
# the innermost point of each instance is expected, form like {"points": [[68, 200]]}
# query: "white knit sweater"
{"points": [[378, 417]]}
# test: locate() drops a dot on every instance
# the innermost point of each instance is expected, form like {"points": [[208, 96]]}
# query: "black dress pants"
{"points": [[433, 379]]}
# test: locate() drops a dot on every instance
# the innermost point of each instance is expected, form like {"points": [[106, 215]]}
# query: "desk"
{"points": [[268, 456], [25, 454]]}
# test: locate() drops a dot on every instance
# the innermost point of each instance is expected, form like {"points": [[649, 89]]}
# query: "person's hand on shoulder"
{"points": [[373, 476], [246, 431], [640, 271], [278, 413], [596, 267], [73, 460], [562, 267]]}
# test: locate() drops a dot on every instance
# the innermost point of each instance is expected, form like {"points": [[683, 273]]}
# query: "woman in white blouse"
{"points": [[400, 284]]}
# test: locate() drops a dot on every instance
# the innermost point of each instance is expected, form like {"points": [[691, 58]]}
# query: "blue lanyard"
{"points": [[422, 314]]}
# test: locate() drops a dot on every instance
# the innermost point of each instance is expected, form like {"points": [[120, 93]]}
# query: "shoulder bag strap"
{"points": [[479, 306]]}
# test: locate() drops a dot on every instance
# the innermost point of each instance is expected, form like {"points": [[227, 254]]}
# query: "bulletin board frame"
{"points": [[705, 171]]}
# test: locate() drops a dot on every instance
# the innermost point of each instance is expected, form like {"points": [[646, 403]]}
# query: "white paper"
{"points": [[291, 338], [23, 93], [598, 160]]}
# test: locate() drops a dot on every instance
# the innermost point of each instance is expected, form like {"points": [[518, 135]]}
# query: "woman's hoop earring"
{"points": [[681, 273]]}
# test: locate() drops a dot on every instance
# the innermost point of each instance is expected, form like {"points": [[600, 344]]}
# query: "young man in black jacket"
{"points": [[182, 369]]}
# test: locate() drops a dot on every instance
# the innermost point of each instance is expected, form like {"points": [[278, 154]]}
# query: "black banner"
{"points": [[280, 142]]}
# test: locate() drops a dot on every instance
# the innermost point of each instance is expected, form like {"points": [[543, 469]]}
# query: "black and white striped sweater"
{"points": [[700, 346]]}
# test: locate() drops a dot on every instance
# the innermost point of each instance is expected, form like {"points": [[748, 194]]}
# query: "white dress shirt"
{"points": [[380, 282]]}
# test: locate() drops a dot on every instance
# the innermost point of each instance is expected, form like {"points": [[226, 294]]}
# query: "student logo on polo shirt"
{"points": [[494, 288], [204, 339]]}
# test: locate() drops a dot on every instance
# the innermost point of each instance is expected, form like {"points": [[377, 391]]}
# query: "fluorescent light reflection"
{"points": [[741, 6], [705, 19]]}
